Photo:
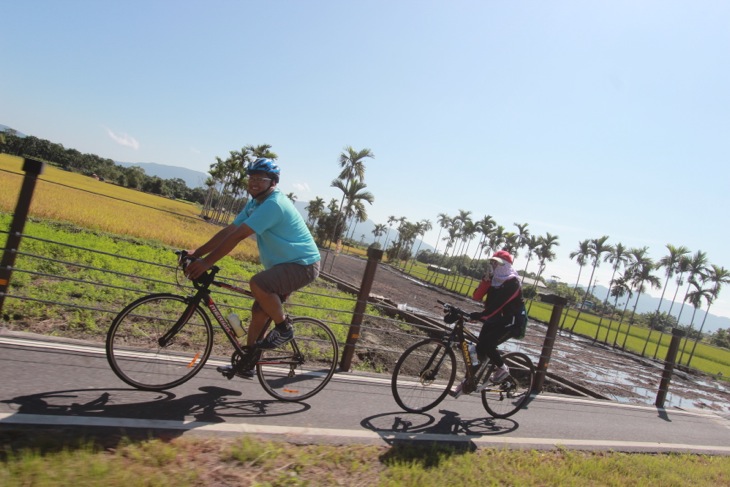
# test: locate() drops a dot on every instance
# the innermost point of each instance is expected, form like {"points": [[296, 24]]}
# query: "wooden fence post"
{"points": [[374, 257], [32, 169]]}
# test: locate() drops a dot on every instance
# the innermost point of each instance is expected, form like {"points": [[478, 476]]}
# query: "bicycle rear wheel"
{"points": [[134, 352], [423, 376], [507, 397], [302, 367]]}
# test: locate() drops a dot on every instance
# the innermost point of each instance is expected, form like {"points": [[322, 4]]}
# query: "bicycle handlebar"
{"points": [[450, 308], [205, 280]]}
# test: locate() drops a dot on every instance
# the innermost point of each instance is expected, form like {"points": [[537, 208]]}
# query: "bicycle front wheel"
{"points": [[301, 367], [133, 342], [507, 397], [423, 376]]}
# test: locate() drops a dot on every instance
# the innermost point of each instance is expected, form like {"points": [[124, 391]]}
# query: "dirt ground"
{"points": [[611, 373]]}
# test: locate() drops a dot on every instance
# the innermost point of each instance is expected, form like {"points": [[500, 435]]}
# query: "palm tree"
{"points": [[669, 262], [391, 219], [598, 248], [619, 289], [292, 197], [580, 255], [467, 232], [210, 183], [314, 210], [523, 234], [407, 233], [453, 233], [354, 194], [484, 227], [495, 239], [695, 267], [544, 255], [378, 231], [718, 276], [443, 221], [421, 228], [682, 268], [353, 168], [640, 275], [617, 257], [695, 299], [532, 243]]}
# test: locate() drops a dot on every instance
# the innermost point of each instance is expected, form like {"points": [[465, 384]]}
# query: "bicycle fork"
{"points": [[165, 339]]}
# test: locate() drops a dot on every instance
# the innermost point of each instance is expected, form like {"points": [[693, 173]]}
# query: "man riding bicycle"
{"points": [[286, 248]]}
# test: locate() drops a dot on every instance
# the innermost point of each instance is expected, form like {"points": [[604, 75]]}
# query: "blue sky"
{"points": [[579, 118]]}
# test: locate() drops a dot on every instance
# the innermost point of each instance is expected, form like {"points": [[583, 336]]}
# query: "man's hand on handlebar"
{"points": [[196, 268], [193, 267]]}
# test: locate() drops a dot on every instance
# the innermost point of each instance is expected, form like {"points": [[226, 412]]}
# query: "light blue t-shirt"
{"points": [[281, 233]]}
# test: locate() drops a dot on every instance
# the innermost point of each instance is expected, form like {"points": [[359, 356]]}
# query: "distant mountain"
{"points": [[5, 128], [193, 179], [648, 304]]}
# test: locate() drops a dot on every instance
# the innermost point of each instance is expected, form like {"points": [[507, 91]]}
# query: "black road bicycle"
{"points": [[162, 340], [426, 371]]}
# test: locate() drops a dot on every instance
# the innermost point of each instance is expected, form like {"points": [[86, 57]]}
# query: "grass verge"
{"points": [[251, 460]]}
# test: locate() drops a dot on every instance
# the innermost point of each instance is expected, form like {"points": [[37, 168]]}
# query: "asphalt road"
{"points": [[63, 384]]}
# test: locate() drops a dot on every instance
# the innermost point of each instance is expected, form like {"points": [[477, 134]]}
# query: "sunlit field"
{"points": [[65, 196]]}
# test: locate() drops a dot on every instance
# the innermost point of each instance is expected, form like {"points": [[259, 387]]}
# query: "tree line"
{"points": [[132, 177]]}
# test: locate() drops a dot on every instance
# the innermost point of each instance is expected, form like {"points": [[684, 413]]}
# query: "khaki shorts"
{"points": [[284, 279]]}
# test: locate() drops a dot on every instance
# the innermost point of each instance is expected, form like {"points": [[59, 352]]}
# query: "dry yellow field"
{"points": [[84, 201]]}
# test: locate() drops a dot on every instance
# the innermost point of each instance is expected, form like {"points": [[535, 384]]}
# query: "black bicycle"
{"points": [[426, 371], [162, 340]]}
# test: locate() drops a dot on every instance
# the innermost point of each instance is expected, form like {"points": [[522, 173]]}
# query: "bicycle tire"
{"points": [[132, 343], [302, 367], [423, 376], [504, 399]]}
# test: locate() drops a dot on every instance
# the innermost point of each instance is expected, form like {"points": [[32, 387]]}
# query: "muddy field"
{"points": [[611, 373]]}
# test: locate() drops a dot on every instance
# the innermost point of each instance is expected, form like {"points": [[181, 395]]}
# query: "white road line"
{"points": [[347, 377], [289, 431]]}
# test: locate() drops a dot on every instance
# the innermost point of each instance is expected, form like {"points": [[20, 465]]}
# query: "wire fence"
{"points": [[65, 288]]}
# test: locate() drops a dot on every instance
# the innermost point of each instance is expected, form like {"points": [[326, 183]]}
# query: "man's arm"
{"points": [[214, 242], [216, 248]]}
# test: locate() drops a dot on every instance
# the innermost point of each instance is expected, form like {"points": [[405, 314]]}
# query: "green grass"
{"points": [[252, 461], [56, 282], [709, 359]]}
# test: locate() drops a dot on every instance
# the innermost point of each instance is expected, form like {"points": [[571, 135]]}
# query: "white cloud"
{"points": [[123, 139], [301, 187]]}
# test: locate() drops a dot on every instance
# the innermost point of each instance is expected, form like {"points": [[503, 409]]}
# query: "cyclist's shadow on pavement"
{"points": [[212, 405], [403, 427]]}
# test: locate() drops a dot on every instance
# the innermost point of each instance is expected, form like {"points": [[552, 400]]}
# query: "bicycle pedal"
{"points": [[226, 371]]}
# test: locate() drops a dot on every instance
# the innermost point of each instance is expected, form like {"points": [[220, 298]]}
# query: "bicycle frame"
{"points": [[459, 335], [202, 295], [426, 370]]}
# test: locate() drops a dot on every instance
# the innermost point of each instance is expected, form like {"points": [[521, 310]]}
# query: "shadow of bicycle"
{"points": [[422, 428], [108, 415]]}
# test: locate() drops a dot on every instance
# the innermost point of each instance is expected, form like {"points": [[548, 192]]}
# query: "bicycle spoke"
{"points": [[423, 376], [133, 343], [302, 367], [507, 397]]}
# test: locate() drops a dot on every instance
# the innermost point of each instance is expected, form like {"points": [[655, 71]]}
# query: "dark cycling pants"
{"points": [[495, 331]]}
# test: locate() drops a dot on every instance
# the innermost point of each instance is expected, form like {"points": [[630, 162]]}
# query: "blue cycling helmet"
{"points": [[268, 166]]}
